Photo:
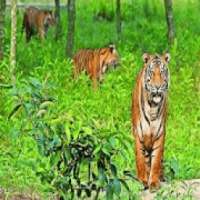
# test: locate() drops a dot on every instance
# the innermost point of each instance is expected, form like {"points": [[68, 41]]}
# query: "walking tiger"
{"points": [[149, 112]]}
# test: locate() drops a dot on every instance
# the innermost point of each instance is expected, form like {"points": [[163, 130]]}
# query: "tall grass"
{"points": [[109, 107]]}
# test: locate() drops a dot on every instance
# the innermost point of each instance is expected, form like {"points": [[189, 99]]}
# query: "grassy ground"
{"points": [[109, 107]]}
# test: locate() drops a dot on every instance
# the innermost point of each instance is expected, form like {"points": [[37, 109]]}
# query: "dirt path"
{"points": [[176, 190]]}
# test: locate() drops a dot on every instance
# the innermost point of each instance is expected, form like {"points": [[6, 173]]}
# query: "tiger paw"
{"points": [[162, 179], [145, 185], [154, 185]]}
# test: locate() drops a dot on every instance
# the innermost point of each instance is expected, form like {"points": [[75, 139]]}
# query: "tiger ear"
{"points": [[51, 12], [112, 48], [166, 57], [146, 57]]}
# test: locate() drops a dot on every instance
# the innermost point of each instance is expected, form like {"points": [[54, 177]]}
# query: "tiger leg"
{"points": [[41, 33], [93, 74], [75, 72], [162, 178], [28, 29], [28, 33], [94, 81], [101, 79], [156, 163], [141, 164]]}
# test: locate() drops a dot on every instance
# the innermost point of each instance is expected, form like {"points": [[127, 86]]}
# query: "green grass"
{"points": [[109, 107]]}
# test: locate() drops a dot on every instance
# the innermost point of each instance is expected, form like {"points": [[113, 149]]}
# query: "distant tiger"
{"points": [[37, 21], [149, 104], [95, 62]]}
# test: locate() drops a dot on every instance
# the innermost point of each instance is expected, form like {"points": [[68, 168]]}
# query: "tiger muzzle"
{"points": [[114, 63], [155, 98]]}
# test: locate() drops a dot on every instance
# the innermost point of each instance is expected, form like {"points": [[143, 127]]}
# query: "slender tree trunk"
{"points": [[118, 18], [170, 21], [13, 40], [2, 18], [71, 27], [57, 16]]}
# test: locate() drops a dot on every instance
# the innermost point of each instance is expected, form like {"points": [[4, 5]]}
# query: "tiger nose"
{"points": [[157, 87], [156, 90]]}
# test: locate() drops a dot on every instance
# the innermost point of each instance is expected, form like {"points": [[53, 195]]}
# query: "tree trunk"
{"points": [[2, 18], [13, 40], [118, 18], [57, 16], [170, 21], [71, 27]]}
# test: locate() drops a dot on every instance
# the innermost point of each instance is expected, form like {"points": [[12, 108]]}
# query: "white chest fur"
{"points": [[149, 124]]}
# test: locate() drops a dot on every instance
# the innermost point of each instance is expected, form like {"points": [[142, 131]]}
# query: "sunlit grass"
{"points": [[110, 104]]}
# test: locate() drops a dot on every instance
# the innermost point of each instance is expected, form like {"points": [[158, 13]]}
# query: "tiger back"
{"points": [[95, 62], [149, 103]]}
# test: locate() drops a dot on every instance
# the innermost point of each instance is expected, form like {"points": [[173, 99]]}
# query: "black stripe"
{"points": [[155, 148], [142, 104], [160, 106], [141, 141], [146, 155], [156, 137], [141, 129], [143, 150]]}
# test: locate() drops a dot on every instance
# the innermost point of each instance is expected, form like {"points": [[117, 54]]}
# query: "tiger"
{"points": [[148, 115], [37, 21], [95, 62]]}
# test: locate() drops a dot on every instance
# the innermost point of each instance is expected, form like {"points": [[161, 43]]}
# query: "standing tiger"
{"points": [[149, 103], [95, 62], [37, 21]]}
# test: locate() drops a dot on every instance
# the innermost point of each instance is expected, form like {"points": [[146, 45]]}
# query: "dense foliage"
{"points": [[50, 121]]}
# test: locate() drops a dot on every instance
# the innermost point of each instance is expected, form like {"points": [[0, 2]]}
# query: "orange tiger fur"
{"points": [[95, 62], [149, 102], [37, 21]]}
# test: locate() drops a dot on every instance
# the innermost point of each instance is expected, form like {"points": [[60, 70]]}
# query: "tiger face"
{"points": [[49, 18], [156, 77], [109, 57]]}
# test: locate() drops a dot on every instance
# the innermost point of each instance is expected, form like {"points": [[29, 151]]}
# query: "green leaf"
{"points": [[45, 104], [56, 140], [41, 113], [102, 177], [175, 166], [109, 192], [116, 186], [112, 142], [113, 169], [16, 108], [87, 130], [125, 184], [128, 173], [35, 83], [97, 149], [68, 133], [107, 149], [55, 159]]}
